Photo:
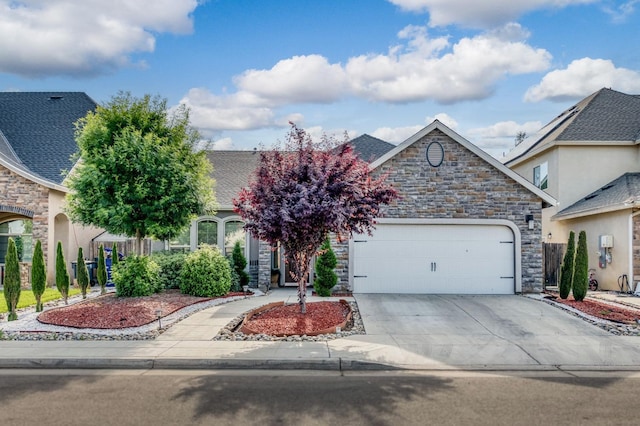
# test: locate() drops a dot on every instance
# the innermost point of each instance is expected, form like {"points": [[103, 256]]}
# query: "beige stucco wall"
{"points": [[62, 229], [616, 224]]}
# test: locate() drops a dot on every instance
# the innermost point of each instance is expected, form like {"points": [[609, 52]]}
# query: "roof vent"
{"points": [[604, 188], [55, 97], [588, 197]]}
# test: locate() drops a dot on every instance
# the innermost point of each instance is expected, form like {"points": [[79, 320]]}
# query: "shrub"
{"points": [[239, 264], [12, 279], [581, 268], [82, 274], [235, 278], [137, 276], [206, 273], [62, 274], [325, 279], [38, 275], [114, 255], [102, 270], [170, 268], [566, 272]]}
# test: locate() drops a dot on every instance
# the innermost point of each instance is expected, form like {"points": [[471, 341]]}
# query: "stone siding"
{"points": [[464, 186], [23, 195]]}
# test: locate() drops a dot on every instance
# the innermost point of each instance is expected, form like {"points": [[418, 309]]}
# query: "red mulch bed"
{"points": [[603, 310], [286, 320], [112, 312]]}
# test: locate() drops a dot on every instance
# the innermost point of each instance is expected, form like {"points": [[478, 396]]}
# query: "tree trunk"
{"points": [[302, 295], [138, 244]]}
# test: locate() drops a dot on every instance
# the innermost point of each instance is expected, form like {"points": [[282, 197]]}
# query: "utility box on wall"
{"points": [[606, 244], [606, 241]]}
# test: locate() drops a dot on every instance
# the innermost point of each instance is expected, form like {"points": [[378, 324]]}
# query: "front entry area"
{"points": [[435, 259]]}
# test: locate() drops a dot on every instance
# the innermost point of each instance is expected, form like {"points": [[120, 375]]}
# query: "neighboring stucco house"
{"points": [[36, 145], [464, 222], [588, 158]]}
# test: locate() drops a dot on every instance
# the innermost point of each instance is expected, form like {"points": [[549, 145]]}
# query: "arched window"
{"points": [[20, 231], [208, 232], [233, 231]]}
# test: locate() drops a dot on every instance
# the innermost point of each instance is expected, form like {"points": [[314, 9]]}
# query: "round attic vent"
{"points": [[435, 154]]}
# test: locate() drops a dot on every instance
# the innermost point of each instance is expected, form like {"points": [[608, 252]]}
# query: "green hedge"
{"points": [[136, 276], [206, 273]]}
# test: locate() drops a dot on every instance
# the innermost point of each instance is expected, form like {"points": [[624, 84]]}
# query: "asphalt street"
{"points": [[156, 397]]}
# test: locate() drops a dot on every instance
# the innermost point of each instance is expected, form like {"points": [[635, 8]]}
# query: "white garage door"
{"points": [[436, 259]]}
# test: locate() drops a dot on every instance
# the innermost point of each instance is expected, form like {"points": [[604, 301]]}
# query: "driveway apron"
{"points": [[482, 331]]}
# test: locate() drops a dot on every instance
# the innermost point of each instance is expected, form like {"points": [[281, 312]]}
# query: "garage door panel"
{"points": [[447, 259]]}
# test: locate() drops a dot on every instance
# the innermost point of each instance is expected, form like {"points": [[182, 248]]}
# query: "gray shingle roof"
{"points": [[39, 127], [232, 171], [620, 193], [609, 116], [370, 148], [606, 115]]}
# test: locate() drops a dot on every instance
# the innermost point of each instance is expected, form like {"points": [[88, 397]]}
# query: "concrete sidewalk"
{"points": [[443, 333]]}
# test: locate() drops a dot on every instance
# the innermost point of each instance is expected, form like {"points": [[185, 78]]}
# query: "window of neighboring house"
{"points": [[208, 232], [20, 231], [540, 176], [233, 232]]}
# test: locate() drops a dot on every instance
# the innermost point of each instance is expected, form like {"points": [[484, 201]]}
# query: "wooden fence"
{"points": [[552, 254]]}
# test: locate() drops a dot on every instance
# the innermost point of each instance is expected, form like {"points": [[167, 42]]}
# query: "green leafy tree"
{"points": [[38, 275], [139, 173], [82, 274], [581, 268], [566, 272], [326, 262], [239, 264], [62, 274], [12, 279], [102, 270]]}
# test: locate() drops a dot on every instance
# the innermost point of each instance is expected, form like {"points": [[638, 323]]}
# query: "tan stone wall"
{"points": [[464, 187], [17, 191]]}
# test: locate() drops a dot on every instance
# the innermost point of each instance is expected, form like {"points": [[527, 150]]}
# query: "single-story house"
{"points": [[464, 222]]}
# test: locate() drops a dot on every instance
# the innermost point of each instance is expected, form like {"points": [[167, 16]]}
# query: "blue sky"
{"points": [[488, 69]]}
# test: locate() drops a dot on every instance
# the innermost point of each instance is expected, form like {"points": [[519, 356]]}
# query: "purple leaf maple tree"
{"points": [[306, 190]]}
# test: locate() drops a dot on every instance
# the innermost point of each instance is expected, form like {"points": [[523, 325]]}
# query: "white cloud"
{"points": [[222, 144], [396, 135], [581, 78], [505, 129], [240, 111], [622, 12], [424, 70], [499, 138], [84, 37], [445, 119], [400, 134], [480, 13], [299, 79]]}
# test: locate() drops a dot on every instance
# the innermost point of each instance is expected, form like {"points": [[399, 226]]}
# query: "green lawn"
{"points": [[27, 298]]}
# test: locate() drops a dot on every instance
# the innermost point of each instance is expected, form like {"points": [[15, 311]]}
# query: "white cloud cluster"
{"points": [[479, 13], [582, 77], [422, 68], [84, 37]]}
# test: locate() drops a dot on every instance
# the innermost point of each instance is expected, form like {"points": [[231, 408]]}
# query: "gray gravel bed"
{"points": [[27, 327]]}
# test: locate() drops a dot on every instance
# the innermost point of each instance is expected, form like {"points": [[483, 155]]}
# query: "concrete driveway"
{"points": [[501, 332]]}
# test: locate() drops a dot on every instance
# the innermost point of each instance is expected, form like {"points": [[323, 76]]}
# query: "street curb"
{"points": [[333, 364]]}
